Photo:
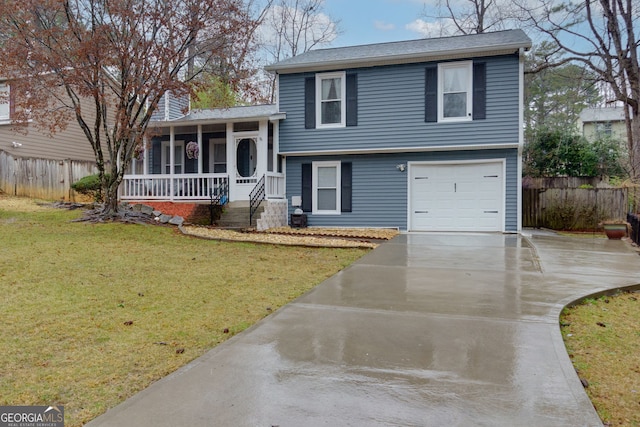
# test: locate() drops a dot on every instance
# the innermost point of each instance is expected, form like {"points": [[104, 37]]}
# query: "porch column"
{"points": [[200, 149], [263, 143], [276, 144], [231, 161], [172, 160], [145, 156]]}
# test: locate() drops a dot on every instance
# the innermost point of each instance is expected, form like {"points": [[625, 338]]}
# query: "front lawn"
{"points": [[603, 340], [93, 313]]}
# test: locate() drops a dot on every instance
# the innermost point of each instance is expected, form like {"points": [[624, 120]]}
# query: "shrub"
{"points": [[90, 186]]}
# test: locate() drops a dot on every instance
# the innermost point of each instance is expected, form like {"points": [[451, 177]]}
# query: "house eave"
{"points": [[394, 150], [209, 121], [411, 58]]}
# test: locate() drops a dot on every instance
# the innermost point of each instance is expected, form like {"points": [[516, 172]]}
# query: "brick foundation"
{"points": [[195, 213]]}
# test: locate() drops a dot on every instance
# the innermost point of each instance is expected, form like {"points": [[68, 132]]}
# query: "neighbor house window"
{"points": [[326, 187], [5, 107], [603, 130], [454, 91], [330, 99]]}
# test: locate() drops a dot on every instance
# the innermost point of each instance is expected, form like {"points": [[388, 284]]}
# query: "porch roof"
{"points": [[223, 115]]}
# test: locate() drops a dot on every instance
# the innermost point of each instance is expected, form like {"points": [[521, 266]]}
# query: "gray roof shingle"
{"points": [[494, 43], [252, 112]]}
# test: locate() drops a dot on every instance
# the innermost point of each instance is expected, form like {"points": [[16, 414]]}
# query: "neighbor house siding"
{"points": [[68, 144], [379, 189], [391, 111]]}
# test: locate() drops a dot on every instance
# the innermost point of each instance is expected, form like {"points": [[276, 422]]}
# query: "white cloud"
{"points": [[442, 27], [383, 26]]}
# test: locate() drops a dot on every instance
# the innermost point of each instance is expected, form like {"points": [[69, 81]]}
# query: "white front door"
{"points": [[456, 197]]}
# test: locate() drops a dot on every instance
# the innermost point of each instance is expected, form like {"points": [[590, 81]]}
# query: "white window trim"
{"points": [[5, 118], [314, 182], [343, 99], [441, 68]]}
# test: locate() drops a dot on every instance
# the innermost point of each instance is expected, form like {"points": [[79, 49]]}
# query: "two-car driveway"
{"points": [[426, 330]]}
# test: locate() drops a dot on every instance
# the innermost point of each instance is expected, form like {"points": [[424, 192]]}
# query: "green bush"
{"points": [[90, 186]]}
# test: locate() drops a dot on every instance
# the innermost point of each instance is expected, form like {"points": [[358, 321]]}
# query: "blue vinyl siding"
{"points": [[380, 195], [391, 111]]}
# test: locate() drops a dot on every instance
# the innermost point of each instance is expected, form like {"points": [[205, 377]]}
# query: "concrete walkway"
{"points": [[427, 330]]}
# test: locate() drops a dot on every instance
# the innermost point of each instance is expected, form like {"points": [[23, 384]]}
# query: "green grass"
{"points": [[602, 336], [92, 314]]}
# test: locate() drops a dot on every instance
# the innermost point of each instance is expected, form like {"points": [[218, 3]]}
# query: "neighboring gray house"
{"points": [[424, 135]]}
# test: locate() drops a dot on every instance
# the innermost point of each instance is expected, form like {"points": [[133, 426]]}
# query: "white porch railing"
{"points": [[171, 187], [274, 185]]}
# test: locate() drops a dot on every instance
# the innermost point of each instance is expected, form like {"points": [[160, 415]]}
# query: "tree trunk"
{"points": [[111, 205]]}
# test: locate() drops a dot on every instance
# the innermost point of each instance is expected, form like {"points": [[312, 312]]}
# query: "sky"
{"points": [[375, 21]]}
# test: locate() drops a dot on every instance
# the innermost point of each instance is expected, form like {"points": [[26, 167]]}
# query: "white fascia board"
{"points": [[179, 122]]}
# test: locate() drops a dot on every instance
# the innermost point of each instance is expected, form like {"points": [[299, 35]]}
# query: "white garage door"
{"points": [[456, 197]]}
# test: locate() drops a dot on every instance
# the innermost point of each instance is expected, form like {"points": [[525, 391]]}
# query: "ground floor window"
{"points": [[326, 187]]}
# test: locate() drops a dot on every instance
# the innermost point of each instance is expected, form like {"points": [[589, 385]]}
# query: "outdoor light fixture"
{"points": [[16, 144], [401, 167]]}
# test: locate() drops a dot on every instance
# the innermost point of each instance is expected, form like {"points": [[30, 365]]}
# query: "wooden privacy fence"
{"points": [[572, 208], [41, 178]]}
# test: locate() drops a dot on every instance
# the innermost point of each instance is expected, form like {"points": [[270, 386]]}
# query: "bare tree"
{"points": [[471, 16], [292, 27], [106, 64], [603, 36]]}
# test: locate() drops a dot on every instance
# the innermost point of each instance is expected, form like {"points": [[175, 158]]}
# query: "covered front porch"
{"points": [[230, 155]]}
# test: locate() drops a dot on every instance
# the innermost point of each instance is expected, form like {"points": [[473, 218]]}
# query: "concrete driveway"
{"points": [[426, 330]]}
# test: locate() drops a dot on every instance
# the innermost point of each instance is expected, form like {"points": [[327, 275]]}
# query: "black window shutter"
{"points": [[310, 103], [345, 190], [479, 90], [352, 99], [431, 94], [307, 188]]}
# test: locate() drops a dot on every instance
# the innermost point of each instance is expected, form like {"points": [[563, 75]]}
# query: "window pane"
{"points": [[331, 112], [454, 105], [331, 89], [327, 200], [327, 177], [455, 80], [4, 101], [220, 153], [220, 168]]}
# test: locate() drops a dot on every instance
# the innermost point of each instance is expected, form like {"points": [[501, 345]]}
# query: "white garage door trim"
{"points": [[500, 219]]}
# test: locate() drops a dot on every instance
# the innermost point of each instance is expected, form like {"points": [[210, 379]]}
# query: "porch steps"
{"points": [[237, 216]]}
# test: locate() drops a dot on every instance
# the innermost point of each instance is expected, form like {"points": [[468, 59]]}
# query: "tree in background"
{"points": [[555, 96], [107, 63], [292, 27], [469, 17], [602, 36], [561, 153]]}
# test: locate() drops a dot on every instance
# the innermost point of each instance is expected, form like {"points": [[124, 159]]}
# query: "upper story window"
{"points": [[5, 107], [454, 91], [330, 99]]}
